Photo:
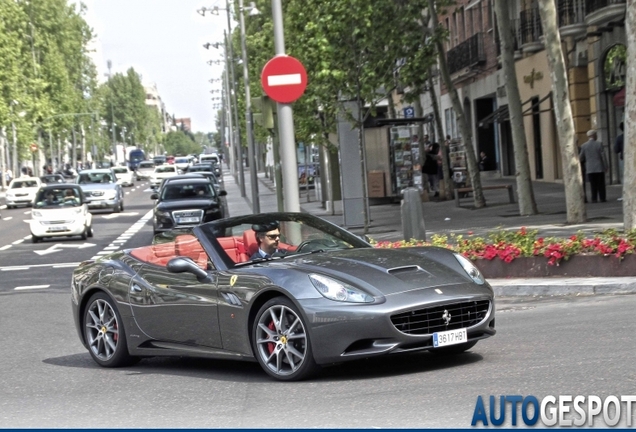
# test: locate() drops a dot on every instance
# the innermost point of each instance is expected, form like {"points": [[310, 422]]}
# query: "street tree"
{"points": [[629, 177], [572, 177], [466, 130], [527, 203]]}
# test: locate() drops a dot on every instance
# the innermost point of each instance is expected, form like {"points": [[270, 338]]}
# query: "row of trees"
{"points": [[49, 91], [353, 50]]}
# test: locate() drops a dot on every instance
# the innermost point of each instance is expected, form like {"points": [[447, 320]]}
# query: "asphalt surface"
{"points": [[444, 217]]}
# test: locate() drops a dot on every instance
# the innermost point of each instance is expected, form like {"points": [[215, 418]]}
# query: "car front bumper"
{"points": [[103, 203], [58, 228]]}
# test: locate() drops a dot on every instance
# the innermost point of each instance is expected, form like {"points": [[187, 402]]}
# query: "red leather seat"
{"points": [[249, 240]]}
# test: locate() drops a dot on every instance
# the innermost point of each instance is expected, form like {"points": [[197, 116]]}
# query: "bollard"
{"points": [[412, 215]]}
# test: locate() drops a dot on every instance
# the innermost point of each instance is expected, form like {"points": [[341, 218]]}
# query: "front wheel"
{"points": [[281, 341], [104, 332], [35, 239]]}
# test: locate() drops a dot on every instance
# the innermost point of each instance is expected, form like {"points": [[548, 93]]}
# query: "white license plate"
{"points": [[450, 337], [188, 220], [58, 228]]}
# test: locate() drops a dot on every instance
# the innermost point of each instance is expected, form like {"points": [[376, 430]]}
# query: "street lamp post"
{"points": [[256, 207], [286, 124]]}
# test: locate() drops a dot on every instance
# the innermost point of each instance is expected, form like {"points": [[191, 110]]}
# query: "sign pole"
{"points": [[286, 125]]}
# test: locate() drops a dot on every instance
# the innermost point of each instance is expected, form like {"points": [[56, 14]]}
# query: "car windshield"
{"points": [[182, 160], [55, 198], [165, 169], [95, 177], [120, 170], [200, 168], [24, 184], [145, 165], [187, 191], [299, 234]]}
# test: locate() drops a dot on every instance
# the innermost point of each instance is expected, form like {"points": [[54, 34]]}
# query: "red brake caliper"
{"points": [[271, 345]]}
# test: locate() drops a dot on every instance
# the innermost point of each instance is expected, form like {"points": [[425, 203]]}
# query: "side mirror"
{"points": [[186, 265], [222, 192], [154, 196]]}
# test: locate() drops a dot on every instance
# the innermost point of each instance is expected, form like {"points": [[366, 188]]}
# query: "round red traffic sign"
{"points": [[284, 79]]}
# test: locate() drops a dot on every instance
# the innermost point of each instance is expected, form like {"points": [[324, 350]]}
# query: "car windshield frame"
{"points": [[176, 191], [165, 169], [24, 184], [95, 177], [54, 198]]}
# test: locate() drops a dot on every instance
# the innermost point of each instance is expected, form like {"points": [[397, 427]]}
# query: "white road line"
{"points": [[104, 252], [27, 237], [65, 265], [111, 248], [27, 212], [9, 268], [8, 218], [30, 287], [18, 242], [3, 248], [13, 268], [127, 193]]}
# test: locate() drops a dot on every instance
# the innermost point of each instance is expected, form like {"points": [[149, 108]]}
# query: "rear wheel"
{"points": [[281, 342], [104, 332], [89, 231], [35, 239]]}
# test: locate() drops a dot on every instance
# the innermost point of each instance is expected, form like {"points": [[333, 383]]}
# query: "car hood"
{"points": [[25, 190], [99, 186], [186, 204], [391, 271]]}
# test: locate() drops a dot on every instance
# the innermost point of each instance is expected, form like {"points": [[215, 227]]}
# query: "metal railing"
{"points": [[514, 25], [571, 12], [467, 54], [594, 5], [530, 25]]}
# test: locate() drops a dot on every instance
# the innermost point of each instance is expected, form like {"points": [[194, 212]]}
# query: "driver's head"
{"points": [[267, 236]]}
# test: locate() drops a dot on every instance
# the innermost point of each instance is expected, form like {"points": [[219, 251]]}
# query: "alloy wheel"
{"points": [[102, 329]]}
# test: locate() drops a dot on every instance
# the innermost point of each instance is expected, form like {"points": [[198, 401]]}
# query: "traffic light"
{"points": [[263, 111]]}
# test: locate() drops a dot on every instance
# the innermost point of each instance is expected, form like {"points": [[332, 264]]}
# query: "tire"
{"points": [[453, 349], [35, 239], [89, 231], [85, 233], [121, 206], [104, 332], [283, 357], [117, 208]]}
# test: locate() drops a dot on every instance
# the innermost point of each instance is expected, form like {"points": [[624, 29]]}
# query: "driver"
{"points": [[267, 237]]}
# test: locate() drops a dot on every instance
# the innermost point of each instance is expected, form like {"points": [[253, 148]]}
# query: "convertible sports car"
{"points": [[327, 297]]}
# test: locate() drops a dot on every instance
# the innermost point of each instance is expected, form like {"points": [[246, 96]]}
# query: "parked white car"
{"points": [[145, 170], [60, 210], [182, 163], [22, 191], [163, 172], [125, 176]]}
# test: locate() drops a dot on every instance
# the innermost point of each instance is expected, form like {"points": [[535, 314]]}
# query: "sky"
{"points": [[163, 41]]}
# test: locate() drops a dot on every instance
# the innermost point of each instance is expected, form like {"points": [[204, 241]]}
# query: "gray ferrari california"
{"points": [[289, 290]]}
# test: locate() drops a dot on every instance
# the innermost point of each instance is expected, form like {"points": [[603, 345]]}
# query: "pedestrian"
{"points": [[592, 156], [431, 167], [484, 162], [618, 149]]}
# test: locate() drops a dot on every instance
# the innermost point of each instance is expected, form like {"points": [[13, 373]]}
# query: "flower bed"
{"points": [[523, 254]]}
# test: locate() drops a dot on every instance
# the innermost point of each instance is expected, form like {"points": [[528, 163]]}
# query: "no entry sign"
{"points": [[284, 79]]}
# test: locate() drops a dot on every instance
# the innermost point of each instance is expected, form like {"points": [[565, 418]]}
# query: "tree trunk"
{"points": [[563, 112], [363, 163], [467, 135], [629, 176], [448, 181], [527, 203]]}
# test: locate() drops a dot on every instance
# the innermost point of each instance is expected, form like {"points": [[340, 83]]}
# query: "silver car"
{"points": [[101, 189]]}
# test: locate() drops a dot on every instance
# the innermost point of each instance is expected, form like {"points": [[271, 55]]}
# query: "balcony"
{"points": [[467, 54], [514, 24], [601, 12], [531, 30], [571, 14]]}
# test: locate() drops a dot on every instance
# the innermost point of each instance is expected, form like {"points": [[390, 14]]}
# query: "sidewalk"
{"points": [[443, 217]]}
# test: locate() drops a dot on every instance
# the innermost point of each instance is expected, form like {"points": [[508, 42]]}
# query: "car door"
{"points": [[175, 306]]}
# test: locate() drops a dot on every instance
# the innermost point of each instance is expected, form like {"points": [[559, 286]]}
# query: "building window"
{"points": [[489, 15]]}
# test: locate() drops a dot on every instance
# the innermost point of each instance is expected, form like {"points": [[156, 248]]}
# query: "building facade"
{"points": [[594, 45]]}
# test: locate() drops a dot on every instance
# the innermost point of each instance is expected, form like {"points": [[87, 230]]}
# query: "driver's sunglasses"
{"points": [[272, 236]]}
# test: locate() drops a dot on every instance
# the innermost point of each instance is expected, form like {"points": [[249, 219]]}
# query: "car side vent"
{"points": [[405, 269], [231, 298]]}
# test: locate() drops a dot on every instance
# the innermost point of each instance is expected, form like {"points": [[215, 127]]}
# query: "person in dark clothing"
{"points": [[267, 237], [591, 154], [431, 168], [618, 149], [484, 162]]}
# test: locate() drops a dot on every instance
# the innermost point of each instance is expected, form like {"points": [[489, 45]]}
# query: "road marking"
{"points": [[127, 193], [65, 265], [111, 248], [27, 237], [56, 248], [30, 287], [13, 268], [27, 221], [27, 212], [8, 218], [18, 242], [116, 215], [3, 248]]}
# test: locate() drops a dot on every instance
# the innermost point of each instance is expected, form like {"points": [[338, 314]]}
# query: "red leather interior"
{"points": [[160, 254], [249, 240], [235, 248]]}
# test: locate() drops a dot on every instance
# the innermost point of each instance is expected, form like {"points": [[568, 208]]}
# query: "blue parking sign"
{"points": [[409, 112]]}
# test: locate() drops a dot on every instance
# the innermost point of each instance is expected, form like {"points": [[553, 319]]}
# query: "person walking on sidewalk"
{"points": [[593, 158]]}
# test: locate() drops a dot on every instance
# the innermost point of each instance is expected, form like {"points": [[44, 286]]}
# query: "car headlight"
{"points": [[36, 213], [163, 214], [338, 291], [110, 194], [213, 210], [10, 194], [470, 269]]}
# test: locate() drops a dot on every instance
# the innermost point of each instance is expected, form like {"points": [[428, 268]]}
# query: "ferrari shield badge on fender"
{"points": [[233, 280]]}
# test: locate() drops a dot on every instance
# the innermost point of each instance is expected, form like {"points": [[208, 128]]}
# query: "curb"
{"points": [[563, 286]]}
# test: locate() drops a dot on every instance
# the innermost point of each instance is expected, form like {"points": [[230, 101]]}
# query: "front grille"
{"points": [[94, 193], [431, 320], [59, 222]]}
